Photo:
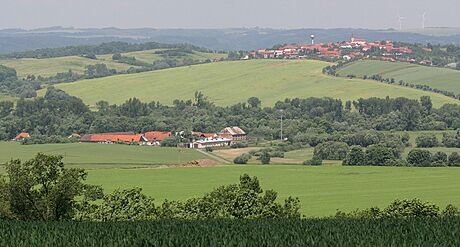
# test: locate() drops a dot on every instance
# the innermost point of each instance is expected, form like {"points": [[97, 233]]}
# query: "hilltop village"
{"points": [[356, 48]]}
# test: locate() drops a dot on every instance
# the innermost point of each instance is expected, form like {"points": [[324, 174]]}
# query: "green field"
{"points": [[438, 78], [322, 190], [91, 156], [149, 56], [52, 66], [7, 98], [228, 83]]}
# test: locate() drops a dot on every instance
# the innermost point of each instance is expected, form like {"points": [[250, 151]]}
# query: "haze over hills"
{"points": [[12, 40]]}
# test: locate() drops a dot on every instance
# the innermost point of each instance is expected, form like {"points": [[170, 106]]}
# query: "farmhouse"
{"points": [[233, 133], [74, 136], [21, 136], [212, 142], [155, 137], [110, 138]]}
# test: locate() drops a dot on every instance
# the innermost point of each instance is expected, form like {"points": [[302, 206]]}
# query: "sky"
{"points": [[372, 14]]}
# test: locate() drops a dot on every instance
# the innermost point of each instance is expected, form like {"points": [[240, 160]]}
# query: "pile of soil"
{"points": [[194, 163]]}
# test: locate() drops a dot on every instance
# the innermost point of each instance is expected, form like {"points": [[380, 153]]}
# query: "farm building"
{"points": [[212, 142], [110, 138], [155, 137], [204, 135], [22, 136], [74, 136], [233, 133]]}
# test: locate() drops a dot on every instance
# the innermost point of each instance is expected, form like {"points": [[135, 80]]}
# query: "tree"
{"points": [[242, 159], [254, 102], [454, 159], [427, 141], [265, 158], [331, 150], [379, 155], [42, 189], [426, 103], [439, 159], [315, 161], [355, 157], [171, 141], [419, 157]]}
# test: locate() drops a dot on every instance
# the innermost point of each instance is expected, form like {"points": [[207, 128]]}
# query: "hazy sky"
{"points": [[227, 13]]}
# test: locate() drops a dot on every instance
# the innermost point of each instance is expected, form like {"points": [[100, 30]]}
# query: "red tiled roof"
{"points": [[157, 135], [22, 135], [112, 137]]}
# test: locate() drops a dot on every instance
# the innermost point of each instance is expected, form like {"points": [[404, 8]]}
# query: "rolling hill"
{"points": [[51, 66], [227, 83], [438, 78], [149, 56]]}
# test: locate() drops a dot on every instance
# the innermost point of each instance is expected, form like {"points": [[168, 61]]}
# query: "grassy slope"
{"points": [[148, 56], [227, 83], [51, 66], [88, 155], [439, 78], [322, 190]]}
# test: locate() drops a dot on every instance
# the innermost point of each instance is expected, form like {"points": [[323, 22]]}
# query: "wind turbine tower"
{"points": [[424, 20], [312, 37], [400, 19]]}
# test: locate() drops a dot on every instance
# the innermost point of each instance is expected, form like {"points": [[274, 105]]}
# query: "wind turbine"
{"points": [[400, 20], [423, 20]]}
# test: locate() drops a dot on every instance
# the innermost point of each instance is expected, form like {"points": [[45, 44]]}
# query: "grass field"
{"points": [[439, 78], [322, 190], [149, 56], [91, 156], [7, 98], [52, 66], [228, 83]]}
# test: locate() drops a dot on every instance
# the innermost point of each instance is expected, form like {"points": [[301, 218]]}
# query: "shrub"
{"points": [[172, 141], [427, 141], [379, 155], [209, 149], [355, 157], [265, 158], [439, 159], [239, 145], [419, 157], [331, 150], [450, 140], [411, 208], [242, 159], [454, 159], [315, 161]]}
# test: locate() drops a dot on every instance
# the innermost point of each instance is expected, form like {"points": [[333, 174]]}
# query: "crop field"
{"points": [[52, 66], [264, 232], [93, 156], [149, 56], [227, 83], [322, 190], [439, 78]]}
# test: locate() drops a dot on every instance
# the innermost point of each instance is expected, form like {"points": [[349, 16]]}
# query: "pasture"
{"points": [[227, 83], [322, 190], [149, 56], [93, 156], [51, 66], [439, 78]]}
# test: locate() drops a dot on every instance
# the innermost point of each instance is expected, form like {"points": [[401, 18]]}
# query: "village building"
{"points": [[233, 133], [111, 138], [74, 136], [21, 136], [156, 137], [212, 143], [204, 135]]}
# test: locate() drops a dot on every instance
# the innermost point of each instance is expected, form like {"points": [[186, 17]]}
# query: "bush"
{"points": [[454, 159], [315, 161], [265, 158], [427, 141], [209, 149], [239, 145], [172, 141], [242, 159], [419, 157], [379, 155], [355, 157], [439, 159], [331, 150]]}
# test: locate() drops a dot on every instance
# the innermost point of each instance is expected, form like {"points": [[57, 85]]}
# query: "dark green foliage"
{"points": [[171, 141], [454, 159], [427, 141], [439, 159], [419, 157], [379, 155], [7, 73], [265, 158], [209, 149], [331, 150], [242, 159], [315, 161], [239, 145], [42, 189], [222, 232], [355, 157]]}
